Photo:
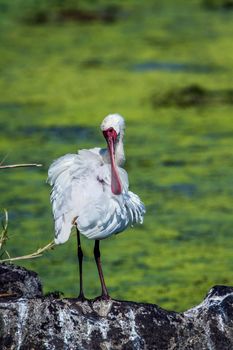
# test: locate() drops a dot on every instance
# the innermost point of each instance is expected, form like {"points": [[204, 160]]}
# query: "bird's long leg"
{"points": [[80, 260], [104, 294]]}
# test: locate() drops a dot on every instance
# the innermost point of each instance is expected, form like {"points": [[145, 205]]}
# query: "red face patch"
{"points": [[110, 133]]}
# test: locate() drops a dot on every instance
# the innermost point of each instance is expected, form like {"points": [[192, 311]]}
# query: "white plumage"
{"points": [[90, 189]]}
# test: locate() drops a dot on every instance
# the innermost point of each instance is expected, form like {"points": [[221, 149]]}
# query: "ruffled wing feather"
{"points": [[81, 194], [65, 176]]}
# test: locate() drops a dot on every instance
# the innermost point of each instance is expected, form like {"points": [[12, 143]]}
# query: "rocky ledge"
{"points": [[29, 320]]}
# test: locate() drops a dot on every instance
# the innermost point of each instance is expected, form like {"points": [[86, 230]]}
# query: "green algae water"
{"points": [[167, 68]]}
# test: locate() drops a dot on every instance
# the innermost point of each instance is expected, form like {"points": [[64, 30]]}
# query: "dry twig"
{"points": [[39, 252], [3, 237], [7, 295], [19, 165]]}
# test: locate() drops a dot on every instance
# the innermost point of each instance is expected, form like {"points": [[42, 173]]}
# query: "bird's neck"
{"points": [[119, 152]]}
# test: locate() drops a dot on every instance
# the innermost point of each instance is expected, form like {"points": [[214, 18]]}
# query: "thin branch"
{"points": [[7, 294], [3, 237], [4, 158], [19, 166], [6, 252], [39, 252]]}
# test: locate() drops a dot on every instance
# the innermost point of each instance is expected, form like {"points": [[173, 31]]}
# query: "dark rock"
{"points": [[193, 95], [109, 14], [45, 323], [16, 281], [37, 16], [218, 4], [175, 162]]}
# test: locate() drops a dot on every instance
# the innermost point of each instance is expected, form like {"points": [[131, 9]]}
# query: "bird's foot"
{"points": [[103, 297], [81, 297]]}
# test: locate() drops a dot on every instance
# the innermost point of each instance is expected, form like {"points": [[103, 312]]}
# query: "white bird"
{"points": [[90, 191]]}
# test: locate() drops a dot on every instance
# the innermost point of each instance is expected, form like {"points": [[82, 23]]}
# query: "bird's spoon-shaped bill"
{"points": [[111, 137]]}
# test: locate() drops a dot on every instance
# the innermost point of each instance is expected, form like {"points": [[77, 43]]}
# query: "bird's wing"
{"points": [[64, 175], [135, 208], [133, 205], [108, 213]]}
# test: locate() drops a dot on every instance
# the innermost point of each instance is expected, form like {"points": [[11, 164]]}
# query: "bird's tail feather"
{"points": [[62, 229]]}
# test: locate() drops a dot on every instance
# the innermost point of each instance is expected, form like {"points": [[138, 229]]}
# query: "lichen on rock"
{"points": [[33, 321]]}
